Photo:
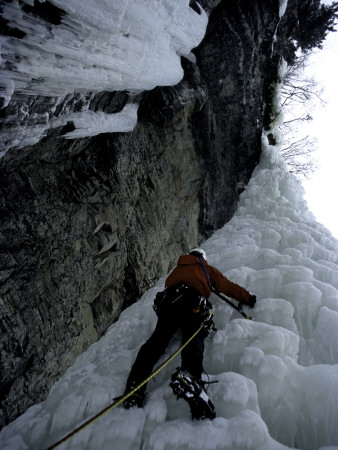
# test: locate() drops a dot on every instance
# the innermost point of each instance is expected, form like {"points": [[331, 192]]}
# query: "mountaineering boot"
{"points": [[185, 385], [135, 399]]}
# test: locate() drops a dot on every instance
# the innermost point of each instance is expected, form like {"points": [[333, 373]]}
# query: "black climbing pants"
{"points": [[172, 317]]}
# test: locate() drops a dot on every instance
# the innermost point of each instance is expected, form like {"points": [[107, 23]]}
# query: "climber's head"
{"points": [[199, 252]]}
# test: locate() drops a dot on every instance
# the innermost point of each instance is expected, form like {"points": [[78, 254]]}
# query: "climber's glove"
{"points": [[252, 301]]}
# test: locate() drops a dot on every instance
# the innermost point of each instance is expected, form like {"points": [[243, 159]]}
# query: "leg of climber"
{"points": [[187, 382], [192, 354], [147, 357]]}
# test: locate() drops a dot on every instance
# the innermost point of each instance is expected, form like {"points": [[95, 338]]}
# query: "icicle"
{"points": [[99, 46]]}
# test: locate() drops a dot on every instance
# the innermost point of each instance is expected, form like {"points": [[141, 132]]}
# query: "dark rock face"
{"points": [[88, 225], [237, 67]]}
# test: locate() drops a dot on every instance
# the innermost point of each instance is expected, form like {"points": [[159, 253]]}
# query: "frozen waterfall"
{"points": [[278, 374]]}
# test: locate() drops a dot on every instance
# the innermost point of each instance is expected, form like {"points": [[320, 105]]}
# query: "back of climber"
{"points": [[184, 305]]}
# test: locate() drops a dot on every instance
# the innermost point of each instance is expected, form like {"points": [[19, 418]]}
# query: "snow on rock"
{"points": [[87, 123], [90, 123], [277, 374], [282, 7]]}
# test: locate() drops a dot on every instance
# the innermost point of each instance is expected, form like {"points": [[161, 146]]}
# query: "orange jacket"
{"points": [[188, 271]]}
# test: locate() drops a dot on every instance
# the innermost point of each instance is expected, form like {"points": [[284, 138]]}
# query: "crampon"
{"points": [[191, 389]]}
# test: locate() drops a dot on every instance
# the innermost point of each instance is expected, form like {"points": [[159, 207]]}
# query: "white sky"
{"points": [[322, 187]]}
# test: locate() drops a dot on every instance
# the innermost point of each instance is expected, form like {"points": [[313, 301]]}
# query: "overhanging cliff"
{"points": [[87, 225]]}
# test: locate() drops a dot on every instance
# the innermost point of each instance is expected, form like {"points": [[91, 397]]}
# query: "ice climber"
{"points": [[184, 305]]}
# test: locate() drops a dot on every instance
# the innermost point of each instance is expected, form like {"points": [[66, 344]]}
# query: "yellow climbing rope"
{"points": [[121, 399]]}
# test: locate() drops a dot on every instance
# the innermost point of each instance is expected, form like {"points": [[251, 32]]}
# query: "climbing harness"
{"points": [[238, 308], [121, 399], [199, 305]]}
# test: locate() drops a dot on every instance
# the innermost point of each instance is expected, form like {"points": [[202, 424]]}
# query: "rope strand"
{"points": [[119, 400]]}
